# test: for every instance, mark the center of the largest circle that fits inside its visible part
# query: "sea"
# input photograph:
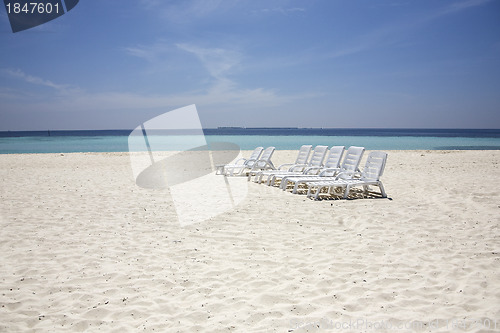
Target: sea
(28, 142)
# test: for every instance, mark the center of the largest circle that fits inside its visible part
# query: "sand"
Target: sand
(82, 248)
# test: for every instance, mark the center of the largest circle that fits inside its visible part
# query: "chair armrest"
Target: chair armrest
(314, 170)
(294, 167)
(245, 161)
(327, 170)
(257, 165)
(285, 165)
(348, 174)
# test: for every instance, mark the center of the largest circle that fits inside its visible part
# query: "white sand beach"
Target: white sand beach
(82, 248)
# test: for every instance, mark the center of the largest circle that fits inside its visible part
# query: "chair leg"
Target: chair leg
(258, 177)
(250, 177)
(295, 187)
(382, 190)
(261, 178)
(237, 171)
(346, 192)
(365, 190)
(309, 191)
(284, 183)
(331, 190)
(318, 190)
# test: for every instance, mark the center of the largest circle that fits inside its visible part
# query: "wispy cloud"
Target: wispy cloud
(462, 5)
(187, 10)
(222, 93)
(148, 4)
(352, 49)
(376, 38)
(151, 53)
(19, 74)
(220, 63)
(390, 4)
(456, 7)
(200, 7)
(280, 10)
(217, 61)
(394, 33)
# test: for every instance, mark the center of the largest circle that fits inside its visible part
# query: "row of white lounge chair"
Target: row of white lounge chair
(319, 171)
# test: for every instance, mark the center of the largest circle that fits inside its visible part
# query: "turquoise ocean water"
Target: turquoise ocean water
(246, 139)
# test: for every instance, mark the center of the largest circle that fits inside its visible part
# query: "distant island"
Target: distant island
(255, 128)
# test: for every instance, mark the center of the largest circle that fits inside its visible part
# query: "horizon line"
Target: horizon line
(264, 128)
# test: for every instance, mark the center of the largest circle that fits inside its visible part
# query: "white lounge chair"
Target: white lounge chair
(330, 167)
(332, 160)
(300, 161)
(224, 169)
(315, 164)
(264, 162)
(373, 170)
(349, 166)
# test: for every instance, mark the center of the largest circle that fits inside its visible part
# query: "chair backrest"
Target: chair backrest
(256, 153)
(351, 161)
(375, 165)
(266, 157)
(334, 157)
(254, 157)
(318, 156)
(303, 155)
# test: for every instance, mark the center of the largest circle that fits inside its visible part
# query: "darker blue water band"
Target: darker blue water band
(461, 133)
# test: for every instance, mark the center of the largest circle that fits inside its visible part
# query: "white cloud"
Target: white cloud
(19, 74)
(151, 53)
(458, 6)
(223, 93)
(148, 4)
(220, 63)
(219, 92)
(202, 7)
(186, 10)
(284, 11)
(217, 61)
(455, 8)
(394, 33)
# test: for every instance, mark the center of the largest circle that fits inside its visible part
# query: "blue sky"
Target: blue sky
(363, 63)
